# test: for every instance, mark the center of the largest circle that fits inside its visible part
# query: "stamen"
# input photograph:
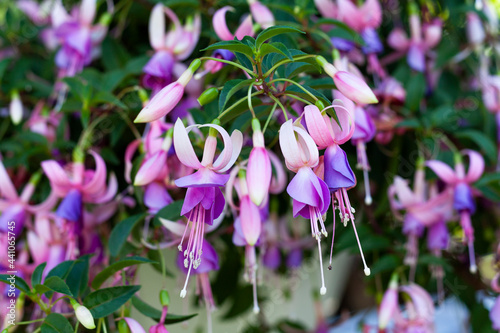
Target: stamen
(366, 269)
(256, 308)
(472, 257)
(333, 238)
(368, 196)
(322, 290)
(184, 291)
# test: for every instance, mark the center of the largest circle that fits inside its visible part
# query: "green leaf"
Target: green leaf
(104, 302)
(482, 141)
(107, 97)
(78, 276)
(36, 277)
(415, 89)
(488, 178)
(116, 267)
(274, 31)
(233, 46)
(340, 24)
(230, 88)
(56, 323)
(55, 283)
(387, 263)
(41, 289)
(276, 47)
(121, 231)
(62, 270)
(19, 283)
(155, 314)
(170, 212)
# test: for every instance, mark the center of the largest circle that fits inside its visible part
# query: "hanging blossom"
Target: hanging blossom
(419, 314)
(223, 32)
(338, 175)
(422, 209)
(76, 186)
(204, 200)
(422, 40)
(463, 201)
(15, 207)
(78, 36)
(170, 48)
(310, 194)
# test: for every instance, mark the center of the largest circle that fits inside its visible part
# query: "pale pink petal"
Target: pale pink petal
(44, 206)
(327, 8)
(59, 15)
(317, 127)
(7, 189)
(237, 141)
(404, 193)
(350, 14)
(278, 183)
(227, 152)
(349, 104)
(176, 228)
(183, 148)
(443, 171)
(98, 181)
(245, 28)
(157, 27)
(372, 14)
(134, 325)
(173, 36)
(476, 166)
(151, 169)
(87, 12)
(289, 147)
(345, 117)
(398, 39)
(38, 248)
(129, 152)
(110, 192)
(251, 224)
(189, 39)
(57, 176)
(219, 23)
(261, 14)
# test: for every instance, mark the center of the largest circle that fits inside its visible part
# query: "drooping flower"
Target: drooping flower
(171, 47)
(338, 175)
(204, 201)
(463, 201)
(310, 194)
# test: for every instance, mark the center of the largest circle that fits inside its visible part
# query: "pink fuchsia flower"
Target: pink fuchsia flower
(338, 174)
(261, 14)
(16, 207)
(204, 201)
(475, 30)
(222, 31)
(310, 194)
(463, 201)
(167, 98)
(350, 85)
(171, 47)
(44, 122)
(419, 316)
(421, 41)
(259, 171)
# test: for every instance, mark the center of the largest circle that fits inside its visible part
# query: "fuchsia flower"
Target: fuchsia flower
(166, 99)
(419, 314)
(259, 171)
(421, 41)
(222, 31)
(171, 47)
(463, 201)
(338, 174)
(204, 201)
(310, 194)
(44, 122)
(261, 14)
(16, 207)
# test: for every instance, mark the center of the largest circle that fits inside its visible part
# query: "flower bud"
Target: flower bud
(208, 96)
(250, 220)
(83, 315)
(259, 171)
(16, 108)
(164, 298)
(123, 327)
(354, 88)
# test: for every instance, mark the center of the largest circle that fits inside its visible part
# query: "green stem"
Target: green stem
(237, 103)
(299, 98)
(269, 118)
(249, 98)
(230, 63)
(99, 323)
(88, 131)
(286, 61)
(76, 326)
(298, 85)
(281, 105)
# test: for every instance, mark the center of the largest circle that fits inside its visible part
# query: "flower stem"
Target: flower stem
(230, 63)
(269, 117)
(298, 85)
(281, 105)
(286, 61)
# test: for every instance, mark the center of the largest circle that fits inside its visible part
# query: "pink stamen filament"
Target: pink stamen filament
(322, 290)
(252, 274)
(363, 165)
(333, 234)
(469, 237)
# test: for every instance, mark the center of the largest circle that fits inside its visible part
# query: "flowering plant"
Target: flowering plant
(187, 165)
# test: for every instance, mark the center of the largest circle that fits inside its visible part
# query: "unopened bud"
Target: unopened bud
(83, 315)
(208, 96)
(164, 298)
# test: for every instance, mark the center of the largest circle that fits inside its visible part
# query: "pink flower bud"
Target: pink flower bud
(161, 104)
(475, 30)
(250, 220)
(354, 88)
(389, 304)
(16, 108)
(259, 174)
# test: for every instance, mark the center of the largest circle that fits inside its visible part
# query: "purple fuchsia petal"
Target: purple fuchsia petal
(272, 257)
(338, 173)
(495, 314)
(462, 198)
(202, 178)
(372, 41)
(209, 260)
(416, 57)
(305, 189)
(238, 238)
(71, 206)
(15, 213)
(438, 236)
(156, 197)
(365, 126)
(294, 258)
(412, 226)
